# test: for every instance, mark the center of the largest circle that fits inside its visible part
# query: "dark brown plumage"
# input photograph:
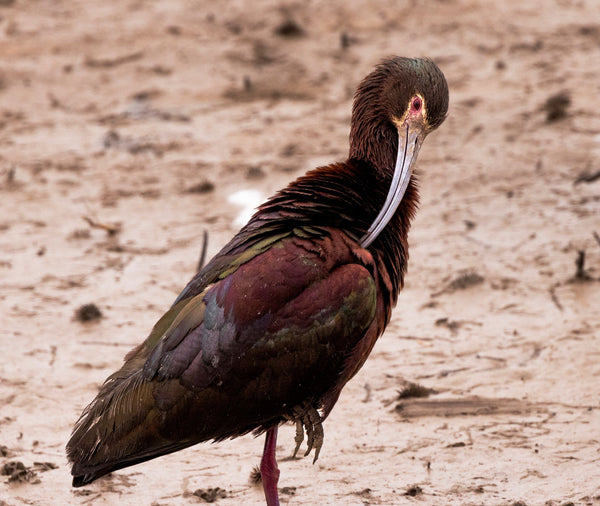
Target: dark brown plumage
(273, 327)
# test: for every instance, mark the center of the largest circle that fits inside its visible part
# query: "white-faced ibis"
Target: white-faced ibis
(274, 326)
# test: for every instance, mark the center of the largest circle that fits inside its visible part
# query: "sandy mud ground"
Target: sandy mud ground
(126, 126)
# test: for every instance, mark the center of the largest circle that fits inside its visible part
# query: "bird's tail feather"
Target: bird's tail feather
(120, 428)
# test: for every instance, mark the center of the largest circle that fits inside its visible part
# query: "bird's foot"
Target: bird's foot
(309, 420)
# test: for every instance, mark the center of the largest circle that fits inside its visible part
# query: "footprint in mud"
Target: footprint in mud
(210, 494)
(18, 472)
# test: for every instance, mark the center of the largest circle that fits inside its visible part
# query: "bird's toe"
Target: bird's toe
(299, 436)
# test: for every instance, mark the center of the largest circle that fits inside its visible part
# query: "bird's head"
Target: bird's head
(395, 107)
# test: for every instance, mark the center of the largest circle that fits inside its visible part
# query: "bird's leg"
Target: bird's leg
(269, 471)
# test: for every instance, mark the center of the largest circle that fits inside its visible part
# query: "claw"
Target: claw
(299, 436)
(310, 434)
(317, 434)
(320, 436)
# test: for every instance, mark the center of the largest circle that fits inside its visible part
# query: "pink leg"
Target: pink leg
(268, 468)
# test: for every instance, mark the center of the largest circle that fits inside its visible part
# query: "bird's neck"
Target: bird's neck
(347, 196)
(375, 142)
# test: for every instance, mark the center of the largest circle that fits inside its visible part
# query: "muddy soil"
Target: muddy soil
(127, 129)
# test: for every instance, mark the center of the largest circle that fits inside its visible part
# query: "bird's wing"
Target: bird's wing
(241, 249)
(271, 334)
(249, 242)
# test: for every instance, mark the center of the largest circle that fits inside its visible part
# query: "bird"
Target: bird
(271, 329)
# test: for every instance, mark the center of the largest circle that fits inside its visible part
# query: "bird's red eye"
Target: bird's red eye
(416, 104)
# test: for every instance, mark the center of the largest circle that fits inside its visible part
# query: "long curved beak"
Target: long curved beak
(409, 143)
